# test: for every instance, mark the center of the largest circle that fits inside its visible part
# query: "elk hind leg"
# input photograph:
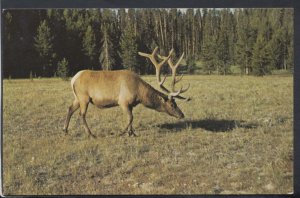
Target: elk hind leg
(83, 110)
(71, 110)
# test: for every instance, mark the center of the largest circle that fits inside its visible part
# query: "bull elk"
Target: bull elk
(107, 89)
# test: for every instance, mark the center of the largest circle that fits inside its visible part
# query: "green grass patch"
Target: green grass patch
(237, 138)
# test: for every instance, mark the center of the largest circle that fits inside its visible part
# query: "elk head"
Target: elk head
(168, 104)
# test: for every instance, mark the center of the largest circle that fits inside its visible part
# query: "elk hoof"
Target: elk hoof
(65, 130)
(131, 133)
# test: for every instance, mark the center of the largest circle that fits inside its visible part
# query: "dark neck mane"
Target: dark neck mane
(151, 97)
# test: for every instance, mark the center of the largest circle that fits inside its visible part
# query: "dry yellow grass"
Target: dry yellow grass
(237, 138)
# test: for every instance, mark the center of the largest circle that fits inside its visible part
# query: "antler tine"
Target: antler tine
(180, 59)
(154, 51)
(179, 79)
(170, 61)
(174, 94)
(151, 56)
(175, 80)
(162, 86)
(184, 90)
(162, 82)
(174, 68)
(158, 66)
(165, 58)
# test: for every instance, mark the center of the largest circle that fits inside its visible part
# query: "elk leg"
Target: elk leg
(129, 128)
(83, 110)
(71, 110)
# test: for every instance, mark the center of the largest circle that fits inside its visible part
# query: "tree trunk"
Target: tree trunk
(106, 52)
(284, 63)
(165, 31)
(193, 38)
(247, 69)
(156, 27)
(172, 36)
(161, 31)
(186, 46)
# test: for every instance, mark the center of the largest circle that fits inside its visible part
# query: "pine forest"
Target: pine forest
(60, 42)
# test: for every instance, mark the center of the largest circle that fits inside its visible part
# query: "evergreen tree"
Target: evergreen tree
(290, 60)
(128, 46)
(62, 69)
(191, 65)
(106, 54)
(223, 53)
(276, 48)
(289, 26)
(44, 46)
(122, 18)
(209, 47)
(261, 61)
(209, 56)
(198, 33)
(245, 40)
(218, 37)
(89, 44)
(110, 32)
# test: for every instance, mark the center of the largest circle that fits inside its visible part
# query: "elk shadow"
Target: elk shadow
(211, 125)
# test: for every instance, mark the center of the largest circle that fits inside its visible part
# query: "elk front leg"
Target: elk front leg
(83, 110)
(129, 128)
(71, 110)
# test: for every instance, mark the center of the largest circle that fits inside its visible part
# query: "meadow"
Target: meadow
(237, 138)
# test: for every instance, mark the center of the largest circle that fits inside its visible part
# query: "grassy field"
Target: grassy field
(237, 138)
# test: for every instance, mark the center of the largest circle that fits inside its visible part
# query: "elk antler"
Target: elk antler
(158, 66)
(174, 80)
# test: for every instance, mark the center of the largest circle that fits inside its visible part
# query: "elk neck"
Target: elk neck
(151, 97)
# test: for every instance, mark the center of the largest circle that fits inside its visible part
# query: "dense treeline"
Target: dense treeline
(54, 41)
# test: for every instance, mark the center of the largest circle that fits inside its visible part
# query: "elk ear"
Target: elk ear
(163, 99)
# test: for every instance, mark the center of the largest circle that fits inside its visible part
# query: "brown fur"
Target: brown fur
(121, 88)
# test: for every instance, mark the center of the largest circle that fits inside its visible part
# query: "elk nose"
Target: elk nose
(181, 116)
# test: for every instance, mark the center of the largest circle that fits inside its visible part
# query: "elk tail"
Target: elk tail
(73, 82)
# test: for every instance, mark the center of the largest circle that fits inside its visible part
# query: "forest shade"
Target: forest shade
(42, 42)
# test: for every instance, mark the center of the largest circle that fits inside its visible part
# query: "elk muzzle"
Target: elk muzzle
(177, 113)
(180, 115)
